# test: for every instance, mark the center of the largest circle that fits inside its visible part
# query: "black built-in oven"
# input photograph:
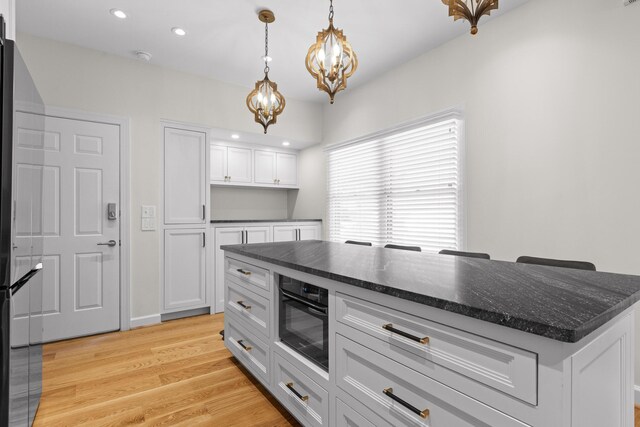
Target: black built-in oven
(304, 319)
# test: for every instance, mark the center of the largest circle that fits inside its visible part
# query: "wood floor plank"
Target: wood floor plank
(173, 374)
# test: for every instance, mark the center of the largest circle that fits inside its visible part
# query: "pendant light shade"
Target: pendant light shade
(331, 60)
(264, 101)
(470, 10)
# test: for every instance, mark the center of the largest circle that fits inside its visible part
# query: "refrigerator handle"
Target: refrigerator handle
(25, 279)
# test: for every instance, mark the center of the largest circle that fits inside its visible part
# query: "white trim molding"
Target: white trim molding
(636, 394)
(137, 322)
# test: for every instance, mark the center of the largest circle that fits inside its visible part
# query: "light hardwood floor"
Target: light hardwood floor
(176, 373)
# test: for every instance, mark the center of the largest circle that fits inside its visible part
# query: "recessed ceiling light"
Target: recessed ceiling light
(118, 13)
(235, 136)
(178, 31)
(286, 143)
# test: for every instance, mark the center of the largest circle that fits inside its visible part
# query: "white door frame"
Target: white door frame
(125, 195)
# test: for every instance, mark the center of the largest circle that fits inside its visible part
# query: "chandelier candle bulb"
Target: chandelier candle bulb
(264, 101)
(331, 76)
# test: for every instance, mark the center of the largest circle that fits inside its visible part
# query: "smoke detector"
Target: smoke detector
(143, 56)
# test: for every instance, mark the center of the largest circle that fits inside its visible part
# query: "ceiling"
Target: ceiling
(225, 40)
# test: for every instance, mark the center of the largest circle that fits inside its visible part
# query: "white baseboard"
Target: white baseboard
(136, 322)
(636, 394)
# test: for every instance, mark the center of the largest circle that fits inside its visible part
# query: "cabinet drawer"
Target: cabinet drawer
(251, 307)
(251, 351)
(402, 396)
(248, 274)
(347, 417)
(302, 396)
(472, 358)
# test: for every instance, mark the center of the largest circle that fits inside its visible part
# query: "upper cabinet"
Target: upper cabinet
(232, 165)
(184, 176)
(274, 168)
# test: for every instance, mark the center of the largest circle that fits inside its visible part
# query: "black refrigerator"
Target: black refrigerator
(21, 242)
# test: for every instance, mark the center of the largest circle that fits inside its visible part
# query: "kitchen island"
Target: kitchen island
(433, 340)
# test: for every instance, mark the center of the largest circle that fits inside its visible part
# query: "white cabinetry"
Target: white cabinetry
(231, 164)
(248, 233)
(393, 362)
(185, 214)
(184, 269)
(233, 236)
(274, 168)
(288, 233)
(184, 176)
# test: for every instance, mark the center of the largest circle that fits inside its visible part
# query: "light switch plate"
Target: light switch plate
(148, 214)
(148, 211)
(148, 224)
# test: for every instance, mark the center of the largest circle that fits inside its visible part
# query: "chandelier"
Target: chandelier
(264, 101)
(471, 10)
(331, 60)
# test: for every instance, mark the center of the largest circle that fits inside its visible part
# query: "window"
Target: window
(401, 187)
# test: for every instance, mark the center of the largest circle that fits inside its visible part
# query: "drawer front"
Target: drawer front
(402, 396)
(508, 369)
(250, 350)
(347, 417)
(302, 396)
(248, 274)
(251, 307)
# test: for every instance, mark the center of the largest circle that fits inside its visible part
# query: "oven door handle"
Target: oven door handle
(304, 302)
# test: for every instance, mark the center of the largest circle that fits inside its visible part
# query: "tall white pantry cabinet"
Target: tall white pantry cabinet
(185, 216)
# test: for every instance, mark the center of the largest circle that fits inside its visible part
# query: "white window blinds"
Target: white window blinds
(402, 187)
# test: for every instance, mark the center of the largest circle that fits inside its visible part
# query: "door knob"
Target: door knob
(109, 243)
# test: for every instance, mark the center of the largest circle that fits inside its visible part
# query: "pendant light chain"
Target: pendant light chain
(331, 11)
(266, 48)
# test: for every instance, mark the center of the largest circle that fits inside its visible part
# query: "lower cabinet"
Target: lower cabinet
(252, 351)
(288, 233)
(233, 236)
(184, 269)
(302, 396)
(402, 396)
(248, 234)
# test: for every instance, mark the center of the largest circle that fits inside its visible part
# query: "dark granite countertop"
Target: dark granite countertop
(236, 221)
(561, 304)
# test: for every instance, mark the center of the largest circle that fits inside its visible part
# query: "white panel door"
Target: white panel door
(239, 164)
(184, 269)
(264, 167)
(257, 234)
(80, 177)
(309, 232)
(285, 233)
(287, 169)
(185, 179)
(224, 236)
(218, 156)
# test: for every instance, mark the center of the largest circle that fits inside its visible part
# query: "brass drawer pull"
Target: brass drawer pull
(243, 305)
(246, 273)
(294, 391)
(389, 327)
(389, 392)
(245, 347)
